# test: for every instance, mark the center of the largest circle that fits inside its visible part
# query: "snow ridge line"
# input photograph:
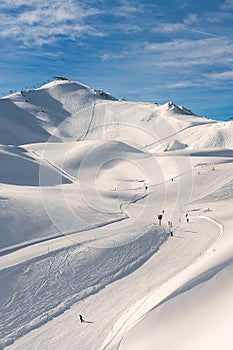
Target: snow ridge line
(55, 166)
(174, 134)
(136, 198)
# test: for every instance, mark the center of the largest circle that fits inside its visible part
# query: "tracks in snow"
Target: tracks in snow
(137, 311)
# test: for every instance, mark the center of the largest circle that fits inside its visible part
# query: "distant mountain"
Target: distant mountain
(65, 110)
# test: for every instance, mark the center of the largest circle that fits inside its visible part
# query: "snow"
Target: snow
(217, 135)
(83, 179)
(199, 308)
(175, 145)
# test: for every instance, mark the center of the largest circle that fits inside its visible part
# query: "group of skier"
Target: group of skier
(169, 223)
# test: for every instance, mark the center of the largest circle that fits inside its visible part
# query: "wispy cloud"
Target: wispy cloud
(128, 9)
(112, 56)
(39, 23)
(192, 23)
(228, 75)
(182, 85)
(227, 5)
(191, 52)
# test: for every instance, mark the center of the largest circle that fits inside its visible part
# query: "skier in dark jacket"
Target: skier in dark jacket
(81, 318)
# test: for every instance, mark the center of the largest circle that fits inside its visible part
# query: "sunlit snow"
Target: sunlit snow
(83, 178)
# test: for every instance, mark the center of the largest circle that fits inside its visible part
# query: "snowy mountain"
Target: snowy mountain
(83, 179)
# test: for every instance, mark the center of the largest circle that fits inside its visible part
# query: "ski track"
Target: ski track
(83, 137)
(55, 166)
(171, 135)
(125, 323)
(51, 295)
(10, 250)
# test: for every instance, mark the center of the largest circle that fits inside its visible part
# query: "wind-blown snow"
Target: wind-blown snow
(83, 179)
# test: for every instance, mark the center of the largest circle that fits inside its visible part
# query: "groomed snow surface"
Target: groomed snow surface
(83, 179)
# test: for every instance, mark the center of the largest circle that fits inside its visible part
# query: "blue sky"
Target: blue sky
(179, 50)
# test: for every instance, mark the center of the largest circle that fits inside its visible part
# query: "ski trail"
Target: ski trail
(55, 166)
(214, 221)
(136, 198)
(83, 137)
(137, 311)
(172, 135)
(48, 239)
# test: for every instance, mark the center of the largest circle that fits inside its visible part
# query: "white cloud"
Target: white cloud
(182, 85)
(192, 23)
(177, 26)
(169, 27)
(187, 53)
(228, 75)
(128, 9)
(191, 19)
(39, 22)
(113, 56)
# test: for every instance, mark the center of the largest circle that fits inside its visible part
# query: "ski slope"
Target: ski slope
(84, 177)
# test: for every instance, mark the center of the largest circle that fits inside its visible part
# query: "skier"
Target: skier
(81, 318)
(187, 219)
(160, 216)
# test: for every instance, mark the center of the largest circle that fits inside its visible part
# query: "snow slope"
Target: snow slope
(83, 179)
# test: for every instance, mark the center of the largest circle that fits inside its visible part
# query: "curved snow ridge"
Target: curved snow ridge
(83, 155)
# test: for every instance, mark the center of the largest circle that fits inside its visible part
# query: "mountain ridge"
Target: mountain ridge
(65, 110)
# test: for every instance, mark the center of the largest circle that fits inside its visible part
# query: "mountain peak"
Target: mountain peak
(171, 106)
(75, 85)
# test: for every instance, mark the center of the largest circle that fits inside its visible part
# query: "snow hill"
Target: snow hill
(83, 179)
